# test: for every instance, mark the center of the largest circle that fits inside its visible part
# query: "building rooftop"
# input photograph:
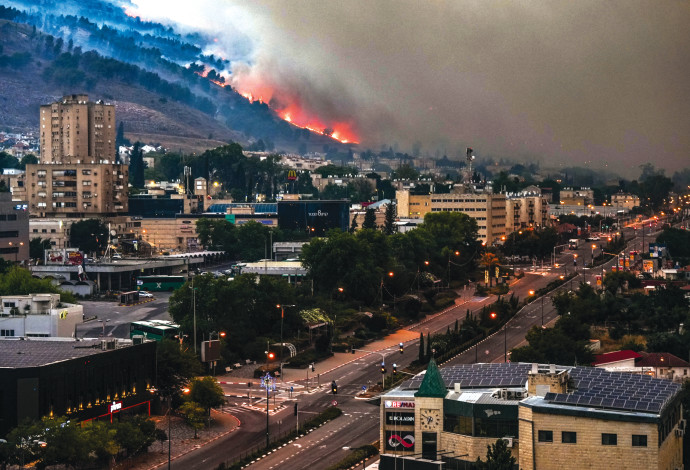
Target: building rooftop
(588, 387)
(15, 354)
(615, 356)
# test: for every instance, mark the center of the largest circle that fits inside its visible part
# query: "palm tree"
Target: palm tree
(489, 261)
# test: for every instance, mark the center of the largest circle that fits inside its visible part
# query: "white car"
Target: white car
(145, 294)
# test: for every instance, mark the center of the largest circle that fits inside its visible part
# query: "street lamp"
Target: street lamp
(282, 316)
(194, 310)
(456, 253)
(103, 322)
(269, 383)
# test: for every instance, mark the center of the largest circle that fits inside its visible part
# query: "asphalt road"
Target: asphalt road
(112, 319)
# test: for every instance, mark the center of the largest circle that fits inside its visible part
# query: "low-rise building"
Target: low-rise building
(38, 316)
(80, 379)
(624, 201)
(551, 417)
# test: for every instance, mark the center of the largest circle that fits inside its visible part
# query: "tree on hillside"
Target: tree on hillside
(176, 366)
(354, 224)
(28, 159)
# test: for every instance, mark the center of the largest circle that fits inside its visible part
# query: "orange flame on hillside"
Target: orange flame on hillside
(298, 117)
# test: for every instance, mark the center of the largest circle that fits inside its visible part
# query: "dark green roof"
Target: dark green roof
(432, 385)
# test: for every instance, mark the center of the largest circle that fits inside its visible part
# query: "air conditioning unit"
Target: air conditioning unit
(509, 441)
(520, 395)
(137, 339)
(504, 393)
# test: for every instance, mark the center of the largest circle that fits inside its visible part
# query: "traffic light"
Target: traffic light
(271, 355)
(395, 368)
(295, 409)
(383, 368)
(312, 367)
(334, 387)
(401, 347)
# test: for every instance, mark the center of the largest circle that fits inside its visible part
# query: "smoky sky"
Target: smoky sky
(604, 83)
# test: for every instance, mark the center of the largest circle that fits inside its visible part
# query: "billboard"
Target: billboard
(648, 265)
(400, 419)
(210, 351)
(55, 257)
(314, 217)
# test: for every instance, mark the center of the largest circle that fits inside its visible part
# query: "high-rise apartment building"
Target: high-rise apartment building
(76, 130)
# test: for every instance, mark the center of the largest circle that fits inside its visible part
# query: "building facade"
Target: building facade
(76, 130)
(77, 190)
(38, 316)
(79, 379)
(14, 229)
(551, 417)
(488, 209)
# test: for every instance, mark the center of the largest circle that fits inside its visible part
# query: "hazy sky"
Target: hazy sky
(567, 82)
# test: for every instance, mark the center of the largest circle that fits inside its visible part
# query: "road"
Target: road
(112, 319)
(360, 423)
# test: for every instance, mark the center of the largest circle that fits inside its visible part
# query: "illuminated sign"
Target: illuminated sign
(116, 406)
(318, 214)
(400, 419)
(292, 175)
(398, 404)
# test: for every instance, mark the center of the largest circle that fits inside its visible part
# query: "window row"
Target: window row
(607, 439)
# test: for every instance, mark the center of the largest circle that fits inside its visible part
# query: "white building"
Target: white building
(38, 315)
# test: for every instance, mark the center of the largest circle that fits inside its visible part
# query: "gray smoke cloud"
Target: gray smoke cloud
(603, 83)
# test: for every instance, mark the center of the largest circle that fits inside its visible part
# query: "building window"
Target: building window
(545, 436)
(6, 332)
(569, 437)
(639, 440)
(609, 439)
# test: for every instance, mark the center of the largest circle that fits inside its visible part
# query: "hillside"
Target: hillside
(191, 116)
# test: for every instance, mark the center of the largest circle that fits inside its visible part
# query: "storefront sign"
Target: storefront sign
(398, 404)
(117, 406)
(400, 419)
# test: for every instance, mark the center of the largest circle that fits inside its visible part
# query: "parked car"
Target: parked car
(145, 294)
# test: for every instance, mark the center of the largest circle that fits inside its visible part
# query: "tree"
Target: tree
(176, 366)
(90, 236)
(369, 219)
(389, 224)
(19, 281)
(136, 167)
(421, 348)
(207, 393)
(194, 414)
(37, 246)
(29, 159)
(489, 261)
(354, 224)
(406, 172)
(498, 457)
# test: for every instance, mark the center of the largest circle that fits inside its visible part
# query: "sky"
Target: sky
(604, 84)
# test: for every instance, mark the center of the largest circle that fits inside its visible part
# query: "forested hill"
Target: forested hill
(157, 100)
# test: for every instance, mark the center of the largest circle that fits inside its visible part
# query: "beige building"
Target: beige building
(551, 417)
(489, 210)
(624, 201)
(525, 209)
(76, 130)
(76, 189)
(577, 197)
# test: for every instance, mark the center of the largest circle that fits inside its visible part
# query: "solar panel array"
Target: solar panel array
(479, 376)
(599, 388)
(592, 387)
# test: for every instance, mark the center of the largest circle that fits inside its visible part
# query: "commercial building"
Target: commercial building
(14, 229)
(76, 130)
(38, 316)
(79, 379)
(624, 201)
(577, 196)
(488, 209)
(551, 417)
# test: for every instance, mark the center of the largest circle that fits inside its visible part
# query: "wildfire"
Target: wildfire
(299, 117)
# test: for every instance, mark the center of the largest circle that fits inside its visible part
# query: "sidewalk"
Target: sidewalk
(183, 440)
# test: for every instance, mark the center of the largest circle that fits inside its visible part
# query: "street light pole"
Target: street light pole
(194, 310)
(505, 342)
(169, 437)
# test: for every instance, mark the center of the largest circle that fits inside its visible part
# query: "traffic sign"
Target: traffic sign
(334, 403)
